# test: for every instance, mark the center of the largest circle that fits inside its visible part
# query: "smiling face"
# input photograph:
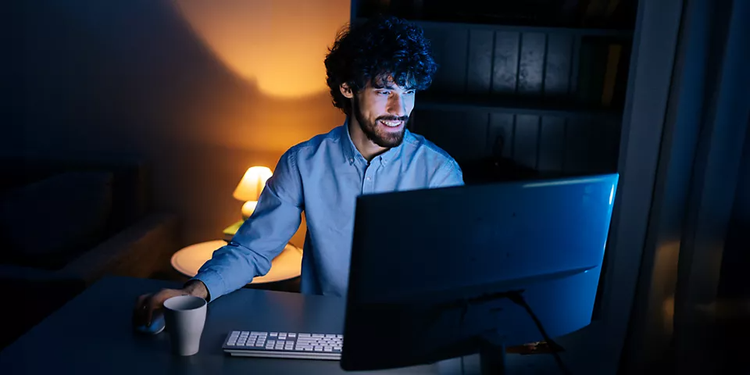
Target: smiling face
(382, 110)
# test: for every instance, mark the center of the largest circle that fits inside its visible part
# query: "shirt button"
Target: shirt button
(351, 160)
(368, 178)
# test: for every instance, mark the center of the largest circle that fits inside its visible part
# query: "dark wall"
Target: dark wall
(101, 79)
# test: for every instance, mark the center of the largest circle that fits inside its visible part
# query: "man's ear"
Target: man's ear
(346, 91)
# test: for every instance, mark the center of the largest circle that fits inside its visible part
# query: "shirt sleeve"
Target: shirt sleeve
(449, 174)
(262, 236)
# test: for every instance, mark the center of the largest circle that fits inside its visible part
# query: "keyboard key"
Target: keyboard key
(312, 345)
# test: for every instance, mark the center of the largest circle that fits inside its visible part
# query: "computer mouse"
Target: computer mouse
(157, 325)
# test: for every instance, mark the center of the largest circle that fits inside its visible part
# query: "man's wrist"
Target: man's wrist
(196, 288)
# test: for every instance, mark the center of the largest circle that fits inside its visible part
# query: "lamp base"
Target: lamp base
(248, 208)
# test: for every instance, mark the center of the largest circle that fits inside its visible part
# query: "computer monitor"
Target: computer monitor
(442, 273)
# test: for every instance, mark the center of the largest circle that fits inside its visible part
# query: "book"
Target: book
(610, 74)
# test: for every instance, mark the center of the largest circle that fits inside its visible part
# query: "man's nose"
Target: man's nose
(396, 105)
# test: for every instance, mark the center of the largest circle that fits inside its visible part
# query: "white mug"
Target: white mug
(185, 317)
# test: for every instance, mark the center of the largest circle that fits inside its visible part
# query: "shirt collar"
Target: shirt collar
(347, 145)
(351, 153)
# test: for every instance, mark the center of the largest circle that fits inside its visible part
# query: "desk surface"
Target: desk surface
(93, 334)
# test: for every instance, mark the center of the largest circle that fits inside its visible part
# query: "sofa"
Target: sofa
(65, 223)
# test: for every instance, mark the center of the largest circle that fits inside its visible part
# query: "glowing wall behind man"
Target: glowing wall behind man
(201, 90)
(277, 43)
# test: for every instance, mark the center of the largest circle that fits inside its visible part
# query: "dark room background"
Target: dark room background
(199, 90)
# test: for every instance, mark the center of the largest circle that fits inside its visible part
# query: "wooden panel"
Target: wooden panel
(525, 140)
(531, 63)
(462, 135)
(575, 50)
(472, 136)
(551, 144)
(479, 65)
(438, 46)
(452, 70)
(505, 66)
(557, 70)
(501, 126)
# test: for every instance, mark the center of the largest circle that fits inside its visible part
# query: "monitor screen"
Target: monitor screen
(431, 270)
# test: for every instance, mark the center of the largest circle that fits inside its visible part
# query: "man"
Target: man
(374, 71)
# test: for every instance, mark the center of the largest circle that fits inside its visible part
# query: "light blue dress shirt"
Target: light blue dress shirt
(322, 177)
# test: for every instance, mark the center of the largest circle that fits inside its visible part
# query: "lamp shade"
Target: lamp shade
(252, 184)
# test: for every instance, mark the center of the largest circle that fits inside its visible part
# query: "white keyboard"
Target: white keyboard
(284, 345)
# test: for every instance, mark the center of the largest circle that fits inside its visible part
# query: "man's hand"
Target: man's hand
(148, 305)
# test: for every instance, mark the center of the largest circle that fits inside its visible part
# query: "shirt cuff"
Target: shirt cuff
(214, 283)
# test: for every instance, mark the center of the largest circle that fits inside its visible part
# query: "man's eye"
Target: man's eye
(384, 92)
(410, 92)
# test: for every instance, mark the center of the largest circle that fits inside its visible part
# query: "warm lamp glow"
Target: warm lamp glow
(279, 44)
(248, 208)
(252, 183)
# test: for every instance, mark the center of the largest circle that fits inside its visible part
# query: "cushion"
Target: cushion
(47, 223)
(130, 180)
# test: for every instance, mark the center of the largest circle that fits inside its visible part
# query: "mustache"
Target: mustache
(393, 118)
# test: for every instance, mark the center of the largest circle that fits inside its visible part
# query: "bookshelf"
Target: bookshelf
(573, 31)
(513, 105)
(520, 89)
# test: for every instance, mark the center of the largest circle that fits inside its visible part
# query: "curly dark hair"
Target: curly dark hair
(379, 48)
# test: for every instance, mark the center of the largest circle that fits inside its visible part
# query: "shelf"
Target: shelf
(623, 34)
(528, 29)
(522, 106)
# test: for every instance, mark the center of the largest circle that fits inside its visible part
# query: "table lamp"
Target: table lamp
(250, 187)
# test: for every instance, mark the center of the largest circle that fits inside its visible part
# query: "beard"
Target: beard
(375, 133)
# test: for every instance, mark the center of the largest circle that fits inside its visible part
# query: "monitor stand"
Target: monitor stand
(492, 354)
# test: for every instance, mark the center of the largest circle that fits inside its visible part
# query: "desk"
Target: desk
(93, 334)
